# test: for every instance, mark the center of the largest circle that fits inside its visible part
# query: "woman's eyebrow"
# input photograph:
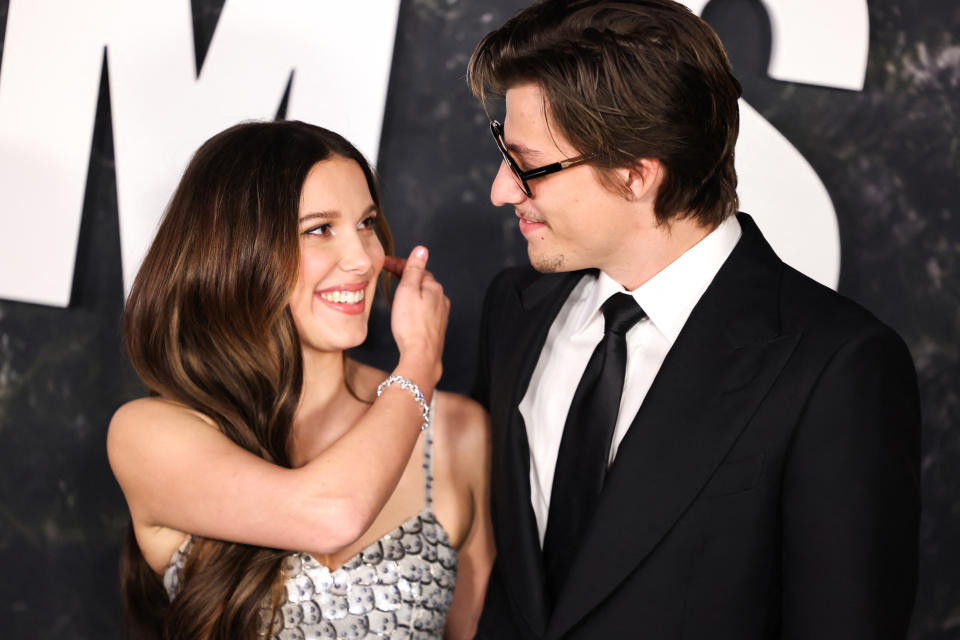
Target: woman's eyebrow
(332, 215)
(327, 215)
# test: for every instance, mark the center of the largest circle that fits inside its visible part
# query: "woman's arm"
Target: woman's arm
(178, 471)
(475, 557)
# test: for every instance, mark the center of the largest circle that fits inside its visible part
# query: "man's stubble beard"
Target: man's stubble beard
(548, 263)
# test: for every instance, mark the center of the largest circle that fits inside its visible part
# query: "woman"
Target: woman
(262, 437)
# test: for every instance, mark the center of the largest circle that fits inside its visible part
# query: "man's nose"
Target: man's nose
(505, 189)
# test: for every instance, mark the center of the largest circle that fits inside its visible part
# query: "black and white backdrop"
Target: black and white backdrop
(861, 119)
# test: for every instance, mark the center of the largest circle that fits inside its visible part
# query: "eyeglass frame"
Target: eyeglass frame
(496, 128)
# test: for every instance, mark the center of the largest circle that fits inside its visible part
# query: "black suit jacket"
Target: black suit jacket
(767, 488)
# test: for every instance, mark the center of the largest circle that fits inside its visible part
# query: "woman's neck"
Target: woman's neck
(323, 378)
(326, 410)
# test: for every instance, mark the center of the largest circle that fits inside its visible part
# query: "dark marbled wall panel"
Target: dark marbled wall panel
(888, 155)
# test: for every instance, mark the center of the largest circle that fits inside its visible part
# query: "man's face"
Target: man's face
(572, 221)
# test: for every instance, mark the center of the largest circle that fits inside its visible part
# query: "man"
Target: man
(691, 439)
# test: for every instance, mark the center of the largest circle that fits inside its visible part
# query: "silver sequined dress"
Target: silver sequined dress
(401, 586)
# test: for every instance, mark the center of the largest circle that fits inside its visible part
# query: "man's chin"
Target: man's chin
(553, 263)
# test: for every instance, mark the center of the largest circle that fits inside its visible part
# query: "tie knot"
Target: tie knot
(620, 312)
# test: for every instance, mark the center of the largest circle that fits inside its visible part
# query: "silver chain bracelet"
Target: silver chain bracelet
(409, 385)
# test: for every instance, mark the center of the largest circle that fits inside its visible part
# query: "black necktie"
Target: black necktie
(585, 445)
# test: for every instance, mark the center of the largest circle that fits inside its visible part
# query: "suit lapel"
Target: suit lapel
(518, 542)
(715, 376)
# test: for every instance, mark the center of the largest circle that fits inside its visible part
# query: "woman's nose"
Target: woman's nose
(355, 254)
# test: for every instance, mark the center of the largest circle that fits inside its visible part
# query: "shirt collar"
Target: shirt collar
(669, 297)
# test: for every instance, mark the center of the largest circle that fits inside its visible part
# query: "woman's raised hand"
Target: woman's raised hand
(419, 317)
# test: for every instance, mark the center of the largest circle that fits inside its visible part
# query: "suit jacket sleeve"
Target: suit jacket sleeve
(851, 497)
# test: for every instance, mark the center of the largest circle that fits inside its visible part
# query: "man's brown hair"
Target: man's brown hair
(627, 80)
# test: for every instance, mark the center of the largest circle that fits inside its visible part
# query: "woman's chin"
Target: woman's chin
(333, 344)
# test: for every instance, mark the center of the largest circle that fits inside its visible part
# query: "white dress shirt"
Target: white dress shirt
(667, 298)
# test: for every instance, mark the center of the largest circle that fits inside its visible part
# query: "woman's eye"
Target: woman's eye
(368, 223)
(320, 230)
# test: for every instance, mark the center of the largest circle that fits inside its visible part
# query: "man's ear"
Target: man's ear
(643, 179)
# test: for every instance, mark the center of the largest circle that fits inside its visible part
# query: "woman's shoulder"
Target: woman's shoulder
(148, 422)
(463, 423)
(153, 409)
(461, 413)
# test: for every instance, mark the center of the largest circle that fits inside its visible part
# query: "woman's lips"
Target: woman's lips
(346, 298)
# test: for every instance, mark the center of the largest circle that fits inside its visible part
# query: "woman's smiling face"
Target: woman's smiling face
(340, 257)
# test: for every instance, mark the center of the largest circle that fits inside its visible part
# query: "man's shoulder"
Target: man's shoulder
(823, 314)
(803, 304)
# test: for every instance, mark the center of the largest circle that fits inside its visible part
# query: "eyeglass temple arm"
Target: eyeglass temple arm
(552, 168)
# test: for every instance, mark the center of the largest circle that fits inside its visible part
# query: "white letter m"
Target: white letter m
(339, 53)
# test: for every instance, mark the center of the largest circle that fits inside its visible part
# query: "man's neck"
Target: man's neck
(653, 250)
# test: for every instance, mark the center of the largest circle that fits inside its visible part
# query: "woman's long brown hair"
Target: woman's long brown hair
(207, 324)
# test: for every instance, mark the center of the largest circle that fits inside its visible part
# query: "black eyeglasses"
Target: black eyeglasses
(523, 176)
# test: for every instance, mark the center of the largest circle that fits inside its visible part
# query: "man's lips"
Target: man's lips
(529, 225)
(347, 298)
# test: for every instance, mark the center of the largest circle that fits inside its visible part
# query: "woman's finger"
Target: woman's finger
(414, 268)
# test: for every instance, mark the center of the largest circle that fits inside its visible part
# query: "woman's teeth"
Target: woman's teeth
(343, 297)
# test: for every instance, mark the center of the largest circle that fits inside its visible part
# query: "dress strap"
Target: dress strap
(428, 459)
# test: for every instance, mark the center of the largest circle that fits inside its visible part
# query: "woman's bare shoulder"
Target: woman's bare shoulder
(460, 409)
(148, 423)
(464, 423)
(153, 410)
